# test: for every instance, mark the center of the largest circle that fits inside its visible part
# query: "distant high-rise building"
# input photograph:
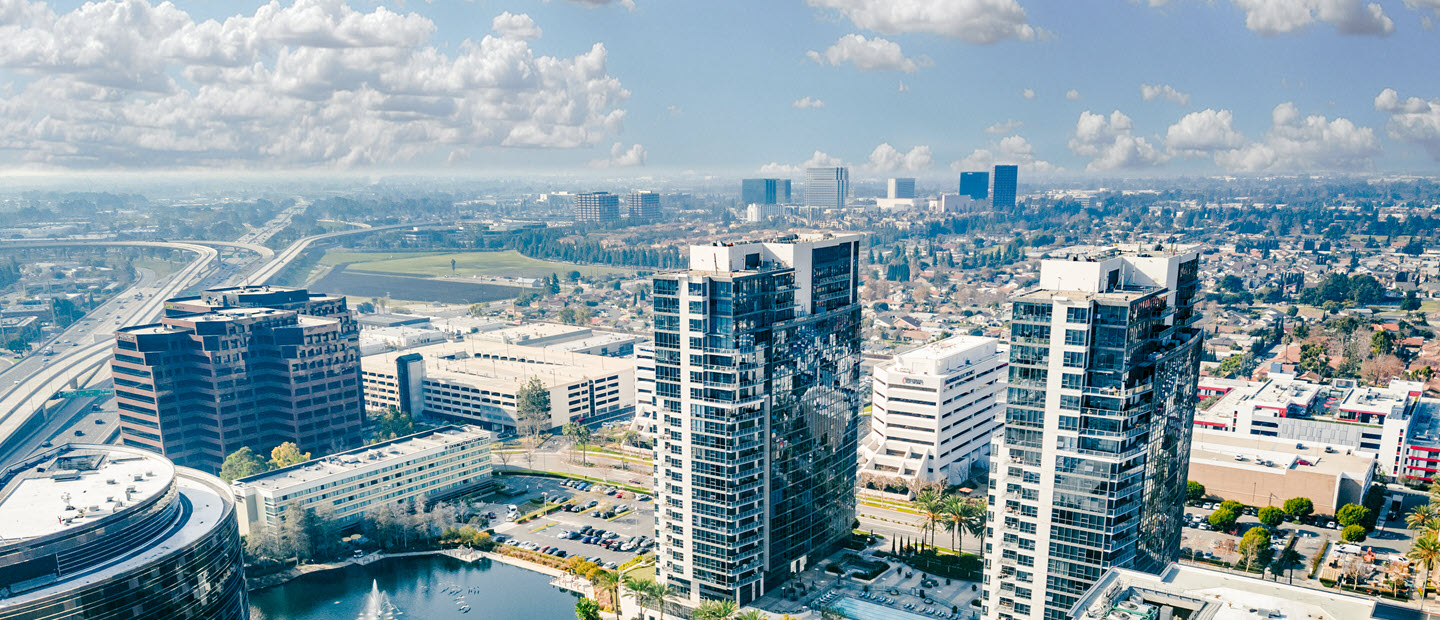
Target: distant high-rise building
(240, 367)
(597, 207)
(644, 205)
(757, 376)
(1005, 184)
(975, 185)
(764, 191)
(827, 188)
(900, 188)
(1089, 473)
(94, 531)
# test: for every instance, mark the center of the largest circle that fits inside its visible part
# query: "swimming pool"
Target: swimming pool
(865, 610)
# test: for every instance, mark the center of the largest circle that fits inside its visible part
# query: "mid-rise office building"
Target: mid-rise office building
(764, 191)
(424, 467)
(975, 185)
(1089, 473)
(240, 367)
(91, 531)
(934, 411)
(1006, 184)
(760, 213)
(900, 189)
(757, 373)
(827, 188)
(644, 205)
(597, 207)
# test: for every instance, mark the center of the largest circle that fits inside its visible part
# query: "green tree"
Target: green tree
(1410, 303)
(1382, 343)
(1424, 518)
(1223, 519)
(1353, 533)
(241, 463)
(1299, 507)
(532, 407)
(1285, 561)
(1255, 547)
(587, 609)
(752, 614)
(574, 276)
(287, 454)
(1233, 506)
(580, 433)
(1230, 366)
(393, 423)
(962, 515)
(715, 610)
(1352, 514)
(1271, 516)
(17, 346)
(1425, 551)
(608, 582)
(929, 503)
(1194, 491)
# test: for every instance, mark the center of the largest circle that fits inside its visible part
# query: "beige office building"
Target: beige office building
(1261, 471)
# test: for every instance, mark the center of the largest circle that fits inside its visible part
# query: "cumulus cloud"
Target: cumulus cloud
(903, 87)
(1310, 143)
(520, 26)
(886, 158)
(1072, 94)
(1151, 92)
(972, 21)
(1110, 145)
(1203, 133)
(1420, 5)
(1274, 17)
(315, 82)
(807, 102)
(1412, 120)
(819, 159)
(1028, 93)
(875, 54)
(621, 157)
(1014, 150)
(1000, 129)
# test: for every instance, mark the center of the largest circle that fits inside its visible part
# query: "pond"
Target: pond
(420, 587)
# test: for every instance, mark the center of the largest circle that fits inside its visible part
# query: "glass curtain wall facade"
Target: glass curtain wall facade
(757, 378)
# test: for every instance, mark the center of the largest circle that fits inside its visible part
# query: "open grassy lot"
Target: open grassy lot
(426, 264)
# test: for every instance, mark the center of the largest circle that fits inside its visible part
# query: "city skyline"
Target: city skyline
(329, 86)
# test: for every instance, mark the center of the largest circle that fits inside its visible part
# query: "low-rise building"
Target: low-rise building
(381, 339)
(1262, 471)
(606, 344)
(1205, 594)
(427, 466)
(534, 334)
(934, 410)
(475, 382)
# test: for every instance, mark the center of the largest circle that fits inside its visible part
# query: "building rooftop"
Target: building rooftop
(597, 340)
(1272, 455)
(1204, 594)
(1389, 400)
(500, 364)
(391, 320)
(948, 355)
(534, 333)
(76, 486)
(359, 458)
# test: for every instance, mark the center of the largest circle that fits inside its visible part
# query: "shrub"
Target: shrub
(1351, 514)
(1271, 516)
(1223, 519)
(1299, 507)
(1353, 533)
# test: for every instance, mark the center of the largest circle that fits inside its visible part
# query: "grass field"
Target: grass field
(506, 264)
(161, 267)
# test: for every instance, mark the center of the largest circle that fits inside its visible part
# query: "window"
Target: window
(1072, 381)
(1075, 337)
(1068, 402)
(1077, 315)
(1074, 359)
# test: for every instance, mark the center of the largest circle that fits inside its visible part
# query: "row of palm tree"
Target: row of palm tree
(1425, 551)
(653, 595)
(955, 514)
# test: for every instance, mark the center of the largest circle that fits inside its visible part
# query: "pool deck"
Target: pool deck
(904, 580)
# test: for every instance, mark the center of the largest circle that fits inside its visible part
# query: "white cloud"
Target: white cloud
(1311, 143)
(807, 102)
(903, 87)
(819, 159)
(1003, 128)
(875, 54)
(1151, 92)
(1009, 150)
(972, 21)
(1273, 17)
(1028, 93)
(595, 4)
(1203, 133)
(315, 82)
(886, 158)
(1072, 94)
(520, 26)
(1110, 145)
(621, 157)
(1418, 5)
(1412, 120)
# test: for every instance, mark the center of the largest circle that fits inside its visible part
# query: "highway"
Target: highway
(264, 274)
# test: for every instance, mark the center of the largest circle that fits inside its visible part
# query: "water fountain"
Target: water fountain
(378, 605)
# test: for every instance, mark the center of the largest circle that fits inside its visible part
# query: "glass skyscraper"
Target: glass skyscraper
(764, 191)
(827, 188)
(975, 185)
(757, 381)
(1006, 178)
(1089, 473)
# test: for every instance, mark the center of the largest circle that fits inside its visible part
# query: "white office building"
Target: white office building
(934, 410)
(435, 464)
(647, 419)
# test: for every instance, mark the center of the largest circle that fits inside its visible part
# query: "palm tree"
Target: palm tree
(644, 590)
(752, 615)
(1426, 552)
(609, 582)
(715, 610)
(951, 510)
(587, 609)
(929, 503)
(974, 520)
(1425, 517)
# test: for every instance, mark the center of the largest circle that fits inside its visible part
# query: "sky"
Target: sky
(646, 88)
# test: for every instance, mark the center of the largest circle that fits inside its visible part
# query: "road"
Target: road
(86, 345)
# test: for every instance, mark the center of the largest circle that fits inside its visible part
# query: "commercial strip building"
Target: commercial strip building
(757, 375)
(934, 411)
(90, 531)
(1261, 471)
(427, 466)
(240, 367)
(475, 381)
(1089, 473)
(1206, 594)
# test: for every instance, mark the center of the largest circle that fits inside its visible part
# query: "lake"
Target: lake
(421, 587)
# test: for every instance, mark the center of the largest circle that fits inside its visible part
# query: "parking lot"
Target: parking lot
(637, 520)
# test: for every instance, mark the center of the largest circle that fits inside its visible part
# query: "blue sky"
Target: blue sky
(1240, 86)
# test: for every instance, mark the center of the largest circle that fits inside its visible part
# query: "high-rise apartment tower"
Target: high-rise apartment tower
(1089, 473)
(757, 376)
